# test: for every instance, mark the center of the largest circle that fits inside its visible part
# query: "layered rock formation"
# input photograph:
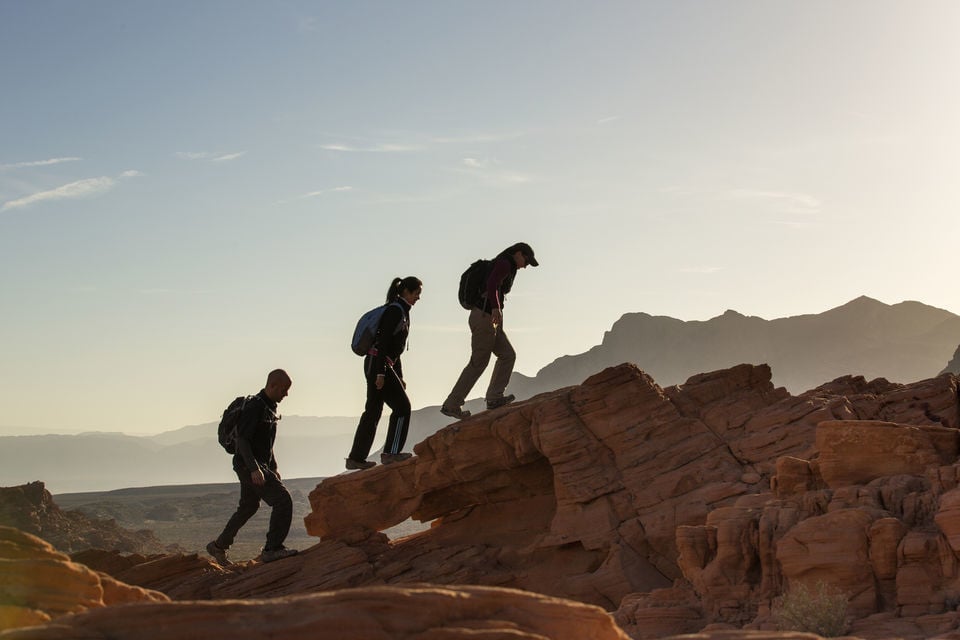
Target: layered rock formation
(30, 508)
(370, 613)
(678, 510)
(38, 583)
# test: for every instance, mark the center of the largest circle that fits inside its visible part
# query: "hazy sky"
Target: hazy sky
(193, 193)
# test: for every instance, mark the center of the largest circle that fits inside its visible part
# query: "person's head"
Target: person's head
(408, 288)
(522, 255)
(278, 384)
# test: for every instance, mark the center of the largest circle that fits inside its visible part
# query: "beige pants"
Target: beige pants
(485, 340)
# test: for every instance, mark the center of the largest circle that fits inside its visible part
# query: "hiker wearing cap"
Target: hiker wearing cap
(488, 336)
(384, 375)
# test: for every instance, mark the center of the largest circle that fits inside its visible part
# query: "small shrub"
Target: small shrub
(819, 610)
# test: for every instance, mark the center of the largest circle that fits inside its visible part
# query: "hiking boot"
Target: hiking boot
(388, 458)
(360, 464)
(500, 402)
(457, 413)
(269, 555)
(218, 554)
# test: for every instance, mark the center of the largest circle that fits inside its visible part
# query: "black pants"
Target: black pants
(395, 397)
(274, 494)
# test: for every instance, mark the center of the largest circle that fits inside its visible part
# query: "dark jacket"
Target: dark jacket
(256, 433)
(391, 338)
(499, 282)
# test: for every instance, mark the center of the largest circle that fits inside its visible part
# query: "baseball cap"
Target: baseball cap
(527, 252)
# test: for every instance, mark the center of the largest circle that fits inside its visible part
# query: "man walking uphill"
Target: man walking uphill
(487, 336)
(256, 467)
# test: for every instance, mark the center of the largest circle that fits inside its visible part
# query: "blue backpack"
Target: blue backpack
(366, 332)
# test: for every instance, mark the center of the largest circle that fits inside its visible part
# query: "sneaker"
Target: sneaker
(500, 402)
(218, 554)
(457, 413)
(388, 458)
(269, 555)
(360, 464)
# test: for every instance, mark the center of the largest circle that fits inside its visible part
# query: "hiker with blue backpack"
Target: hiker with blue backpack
(381, 336)
(248, 430)
(483, 289)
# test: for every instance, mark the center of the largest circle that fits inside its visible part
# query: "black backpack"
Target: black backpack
(473, 283)
(227, 430)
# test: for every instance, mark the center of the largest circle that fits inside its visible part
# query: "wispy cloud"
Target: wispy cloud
(786, 201)
(309, 24)
(378, 148)
(608, 119)
(700, 270)
(476, 138)
(39, 163)
(317, 193)
(72, 190)
(485, 170)
(210, 156)
(78, 189)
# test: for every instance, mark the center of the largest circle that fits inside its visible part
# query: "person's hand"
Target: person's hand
(380, 380)
(497, 316)
(256, 477)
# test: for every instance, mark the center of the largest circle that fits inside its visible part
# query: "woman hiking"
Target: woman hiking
(384, 376)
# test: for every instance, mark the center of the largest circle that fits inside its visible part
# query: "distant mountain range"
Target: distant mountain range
(903, 342)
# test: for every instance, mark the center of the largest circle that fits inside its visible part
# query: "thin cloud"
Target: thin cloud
(309, 24)
(380, 148)
(701, 270)
(793, 202)
(39, 163)
(132, 173)
(608, 119)
(78, 189)
(317, 193)
(485, 171)
(476, 138)
(210, 156)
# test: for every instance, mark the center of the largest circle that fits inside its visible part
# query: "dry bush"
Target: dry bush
(821, 610)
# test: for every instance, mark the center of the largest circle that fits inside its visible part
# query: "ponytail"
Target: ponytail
(399, 285)
(394, 291)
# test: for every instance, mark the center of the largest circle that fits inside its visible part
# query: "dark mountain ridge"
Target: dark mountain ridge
(903, 342)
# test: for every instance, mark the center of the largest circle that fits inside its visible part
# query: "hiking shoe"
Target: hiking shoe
(457, 413)
(500, 402)
(218, 554)
(388, 458)
(269, 555)
(360, 464)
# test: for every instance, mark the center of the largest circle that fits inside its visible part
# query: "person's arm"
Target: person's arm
(499, 272)
(249, 420)
(386, 341)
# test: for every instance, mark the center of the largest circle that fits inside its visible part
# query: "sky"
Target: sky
(195, 193)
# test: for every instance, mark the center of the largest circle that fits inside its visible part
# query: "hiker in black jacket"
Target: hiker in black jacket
(487, 336)
(256, 467)
(384, 376)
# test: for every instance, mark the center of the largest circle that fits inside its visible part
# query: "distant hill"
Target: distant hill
(306, 447)
(903, 342)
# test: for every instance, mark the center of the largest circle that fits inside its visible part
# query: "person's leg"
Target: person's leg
(502, 368)
(396, 398)
(249, 504)
(367, 427)
(276, 495)
(482, 339)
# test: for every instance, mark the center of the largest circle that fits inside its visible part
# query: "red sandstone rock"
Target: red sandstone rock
(371, 613)
(682, 509)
